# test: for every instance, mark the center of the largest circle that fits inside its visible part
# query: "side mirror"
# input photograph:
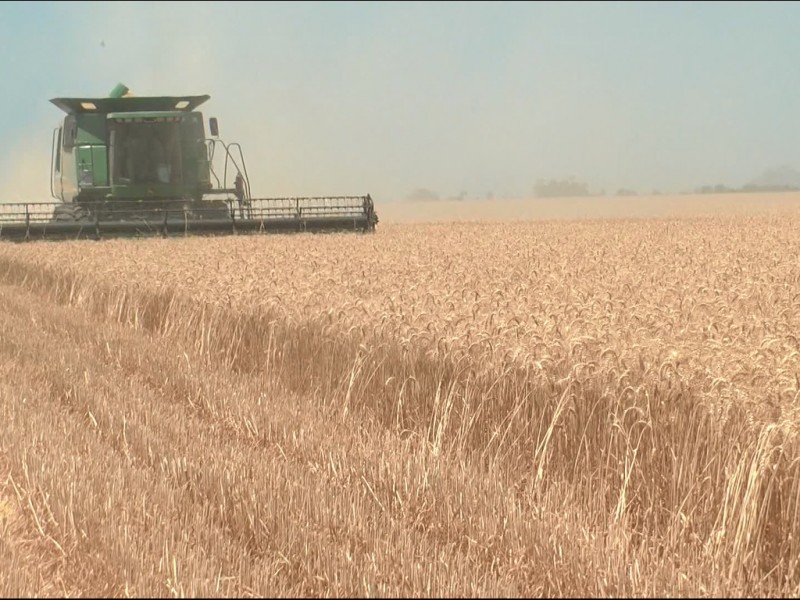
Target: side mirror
(212, 125)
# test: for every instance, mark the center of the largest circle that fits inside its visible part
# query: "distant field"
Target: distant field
(480, 404)
(689, 205)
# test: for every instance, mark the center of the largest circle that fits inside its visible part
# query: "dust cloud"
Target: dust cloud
(25, 171)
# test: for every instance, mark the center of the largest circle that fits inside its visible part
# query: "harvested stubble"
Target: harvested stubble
(624, 394)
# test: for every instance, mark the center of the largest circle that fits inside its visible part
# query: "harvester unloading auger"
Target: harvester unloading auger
(133, 165)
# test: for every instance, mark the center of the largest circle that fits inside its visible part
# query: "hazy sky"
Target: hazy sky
(386, 97)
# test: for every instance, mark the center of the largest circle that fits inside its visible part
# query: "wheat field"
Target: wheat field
(604, 406)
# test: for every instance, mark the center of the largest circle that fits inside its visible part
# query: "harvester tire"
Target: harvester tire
(216, 209)
(70, 213)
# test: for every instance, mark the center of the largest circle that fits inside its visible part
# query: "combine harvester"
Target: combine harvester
(136, 166)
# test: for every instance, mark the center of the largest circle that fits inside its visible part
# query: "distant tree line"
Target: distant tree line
(423, 195)
(749, 188)
(571, 187)
(560, 188)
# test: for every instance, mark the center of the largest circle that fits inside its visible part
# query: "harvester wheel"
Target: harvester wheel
(215, 209)
(71, 213)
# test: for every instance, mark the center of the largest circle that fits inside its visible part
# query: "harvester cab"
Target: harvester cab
(131, 165)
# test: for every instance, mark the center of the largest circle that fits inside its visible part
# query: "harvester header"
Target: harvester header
(139, 165)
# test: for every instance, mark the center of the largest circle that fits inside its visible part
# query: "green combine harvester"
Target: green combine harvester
(136, 166)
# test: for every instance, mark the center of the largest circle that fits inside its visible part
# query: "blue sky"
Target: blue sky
(386, 97)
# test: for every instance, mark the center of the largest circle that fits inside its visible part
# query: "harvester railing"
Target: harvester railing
(35, 212)
(211, 144)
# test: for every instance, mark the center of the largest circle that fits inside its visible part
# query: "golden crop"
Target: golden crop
(634, 382)
(712, 302)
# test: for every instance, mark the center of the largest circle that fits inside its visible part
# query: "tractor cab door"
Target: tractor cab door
(56, 185)
(145, 149)
(195, 152)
